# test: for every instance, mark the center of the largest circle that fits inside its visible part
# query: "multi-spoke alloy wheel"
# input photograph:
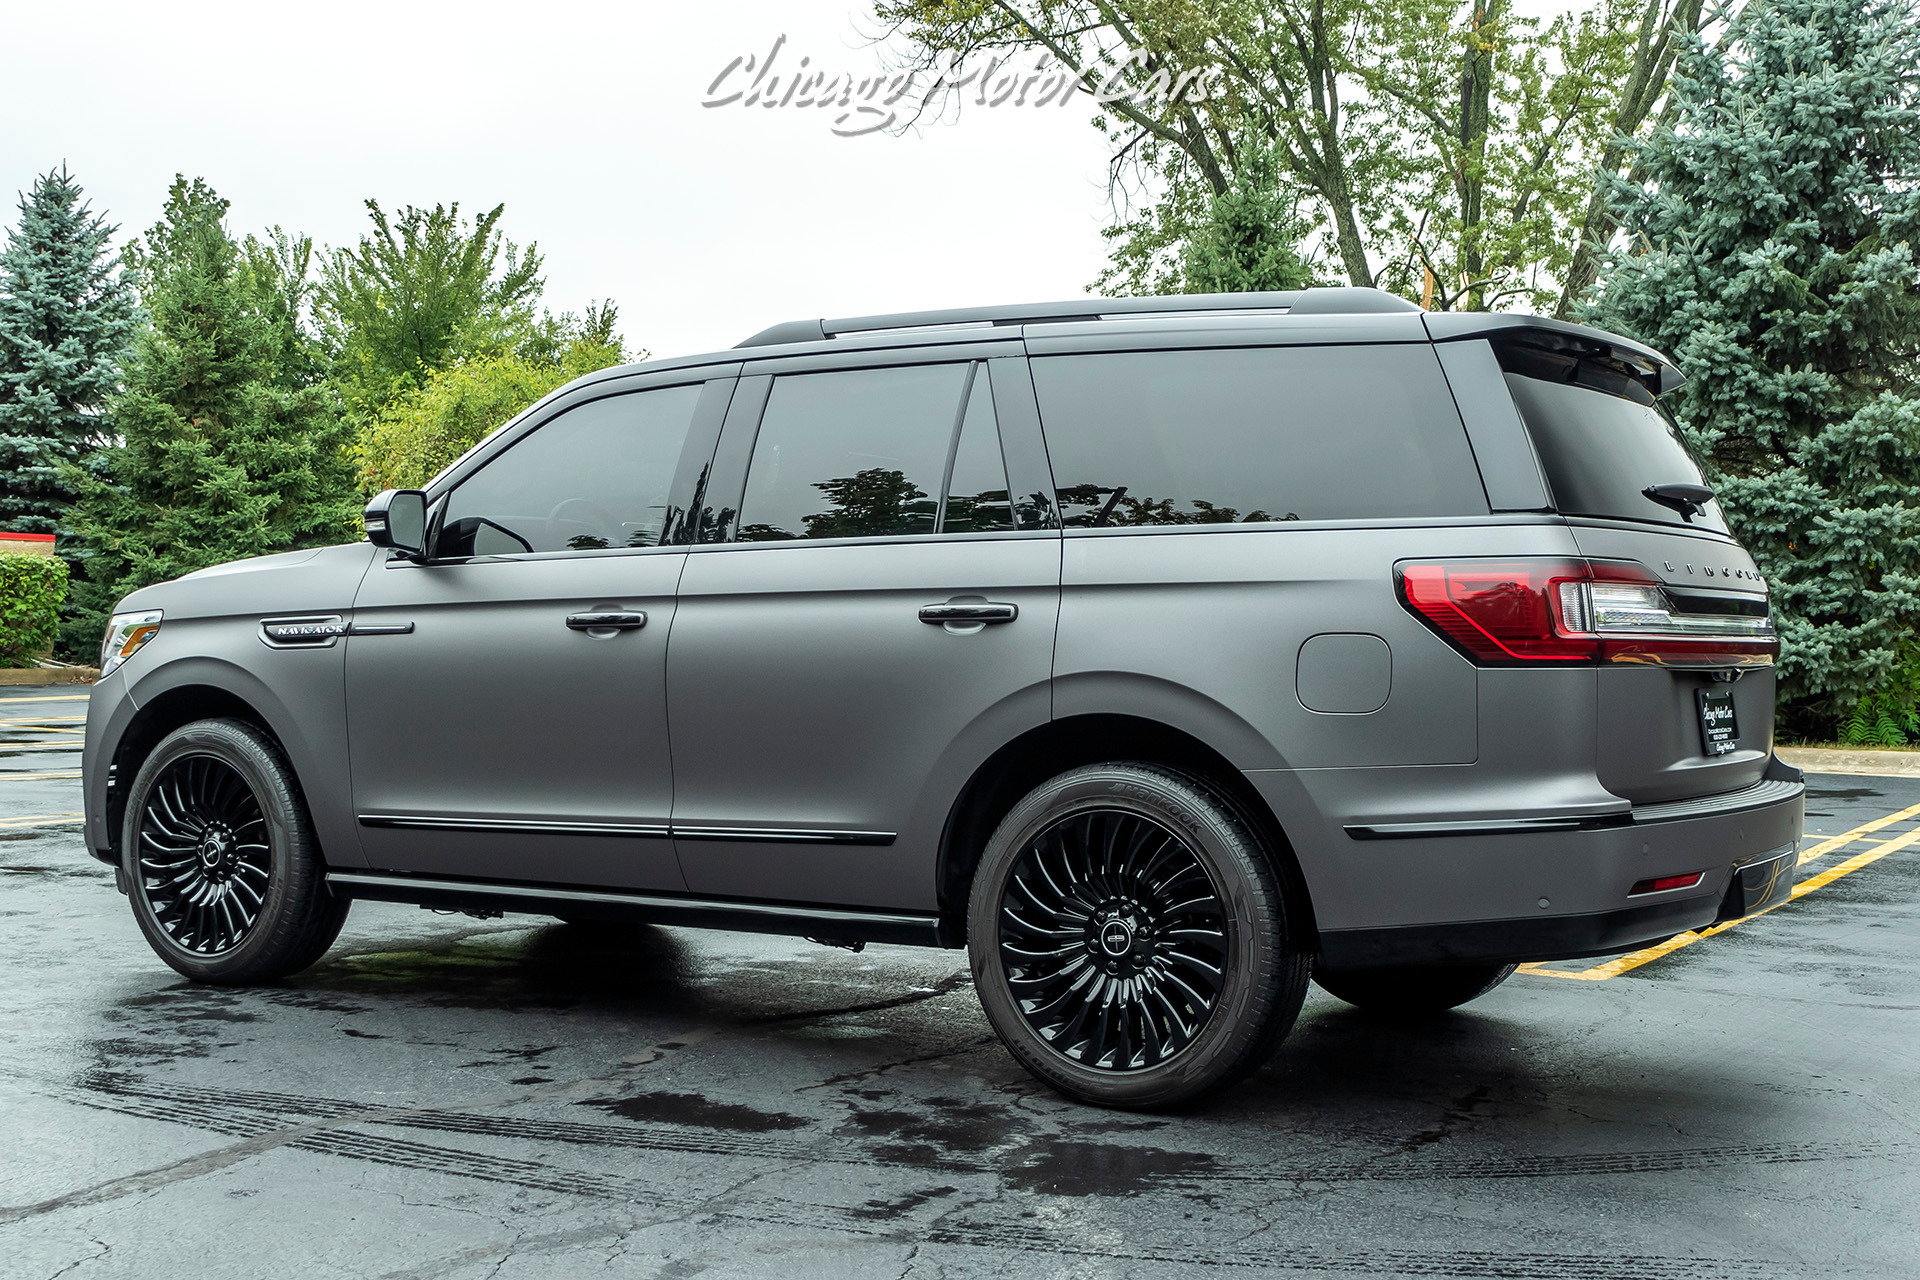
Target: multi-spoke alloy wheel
(1130, 937)
(1114, 940)
(204, 854)
(218, 857)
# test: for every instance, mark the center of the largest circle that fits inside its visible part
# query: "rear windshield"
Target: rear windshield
(1254, 434)
(1602, 440)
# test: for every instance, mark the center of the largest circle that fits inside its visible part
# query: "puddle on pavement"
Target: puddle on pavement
(634, 967)
(1066, 1167)
(700, 1112)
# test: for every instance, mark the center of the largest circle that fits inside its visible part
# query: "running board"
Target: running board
(836, 924)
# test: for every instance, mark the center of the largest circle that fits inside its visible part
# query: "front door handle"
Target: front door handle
(968, 611)
(606, 621)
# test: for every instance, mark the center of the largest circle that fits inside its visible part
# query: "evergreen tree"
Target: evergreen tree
(228, 446)
(1248, 239)
(1773, 253)
(67, 315)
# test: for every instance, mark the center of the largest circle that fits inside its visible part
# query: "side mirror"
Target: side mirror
(397, 518)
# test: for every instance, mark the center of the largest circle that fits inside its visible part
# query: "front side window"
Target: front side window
(876, 453)
(1254, 434)
(595, 477)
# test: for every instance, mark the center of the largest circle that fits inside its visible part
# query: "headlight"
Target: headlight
(126, 632)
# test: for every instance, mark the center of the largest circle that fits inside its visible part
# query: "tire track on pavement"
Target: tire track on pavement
(158, 1101)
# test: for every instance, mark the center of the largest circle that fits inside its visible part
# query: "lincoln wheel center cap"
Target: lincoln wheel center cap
(213, 849)
(1116, 937)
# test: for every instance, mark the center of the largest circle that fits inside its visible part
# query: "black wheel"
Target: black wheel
(220, 860)
(1130, 940)
(1413, 990)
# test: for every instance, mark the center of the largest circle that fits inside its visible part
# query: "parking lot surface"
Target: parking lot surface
(443, 1096)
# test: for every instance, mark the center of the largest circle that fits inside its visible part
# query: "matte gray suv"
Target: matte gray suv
(1164, 652)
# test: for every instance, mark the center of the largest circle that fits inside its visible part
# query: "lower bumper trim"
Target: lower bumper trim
(1605, 933)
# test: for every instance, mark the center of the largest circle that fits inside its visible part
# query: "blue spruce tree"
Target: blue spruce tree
(1774, 251)
(67, 317)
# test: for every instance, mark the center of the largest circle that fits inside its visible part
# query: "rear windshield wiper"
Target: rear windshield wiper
(1688, 499)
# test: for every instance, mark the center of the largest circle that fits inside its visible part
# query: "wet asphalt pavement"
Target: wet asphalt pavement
(442, 1096)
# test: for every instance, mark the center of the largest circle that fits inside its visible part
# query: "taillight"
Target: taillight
(1524, 611)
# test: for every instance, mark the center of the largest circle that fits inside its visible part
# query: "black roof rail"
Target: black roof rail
(1296, 302)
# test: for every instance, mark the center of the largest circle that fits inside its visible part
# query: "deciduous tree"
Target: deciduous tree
(1430, 135)
(425, 288)
(423, 429)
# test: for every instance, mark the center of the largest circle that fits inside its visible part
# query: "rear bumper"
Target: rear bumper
(1543, 887)
(1760, 883)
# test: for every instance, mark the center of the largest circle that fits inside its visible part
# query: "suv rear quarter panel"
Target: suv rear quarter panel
(1202, 629)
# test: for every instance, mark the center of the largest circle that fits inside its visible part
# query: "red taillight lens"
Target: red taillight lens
(1499, 612)
(1523, 611)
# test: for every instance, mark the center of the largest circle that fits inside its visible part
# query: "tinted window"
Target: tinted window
(854, 454)
(1270, 433)
(1602, 440)
(597, 476)
(977, 498)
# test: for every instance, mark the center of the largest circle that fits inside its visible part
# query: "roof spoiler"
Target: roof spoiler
(1654, 367)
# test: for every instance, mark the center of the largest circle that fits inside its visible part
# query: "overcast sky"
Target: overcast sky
(585, 118)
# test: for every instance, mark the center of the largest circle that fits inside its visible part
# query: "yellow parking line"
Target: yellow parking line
(1633, 960)
(1846, 838)
(65, 697)
(38, 777)
(29, 721)
(40, 819)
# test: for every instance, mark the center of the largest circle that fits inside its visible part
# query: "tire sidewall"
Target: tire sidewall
(259, 766)
(1241, 880)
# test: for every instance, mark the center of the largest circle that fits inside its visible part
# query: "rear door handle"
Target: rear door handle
(987, 611)
(606, 621)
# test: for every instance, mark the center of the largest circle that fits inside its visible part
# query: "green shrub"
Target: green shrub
(32, 589)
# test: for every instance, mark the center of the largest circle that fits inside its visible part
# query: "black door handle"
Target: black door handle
(968, 611)
(606, 621)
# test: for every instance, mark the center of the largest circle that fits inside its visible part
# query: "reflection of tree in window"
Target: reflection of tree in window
(870, 503)
(1127, 510)
(988, 512)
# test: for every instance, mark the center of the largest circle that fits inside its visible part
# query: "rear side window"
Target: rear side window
(877, 453)
(1254, 434)
(1602, 439)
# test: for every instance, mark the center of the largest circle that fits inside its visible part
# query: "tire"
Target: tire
(1153, 876)
(221, 864)
(1413, 990)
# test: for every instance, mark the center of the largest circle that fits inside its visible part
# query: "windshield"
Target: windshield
(1601, 449)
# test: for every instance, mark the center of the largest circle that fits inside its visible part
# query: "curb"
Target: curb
(1885, 764)
(18, 676)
